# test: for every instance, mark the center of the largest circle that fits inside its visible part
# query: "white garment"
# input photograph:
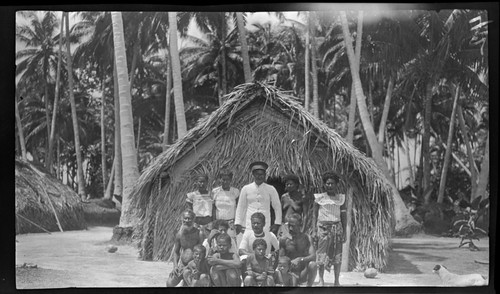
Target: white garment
(249, 237)
(255, 198)
(202, 203)
(225, 202)
(329, 207)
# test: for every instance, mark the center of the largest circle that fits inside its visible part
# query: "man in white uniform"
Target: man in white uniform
(258, 197)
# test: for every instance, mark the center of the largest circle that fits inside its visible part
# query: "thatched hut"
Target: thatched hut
(43, 203)
(258, 122)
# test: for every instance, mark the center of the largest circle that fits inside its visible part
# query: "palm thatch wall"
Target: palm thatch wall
(257, 122)
(40, 197)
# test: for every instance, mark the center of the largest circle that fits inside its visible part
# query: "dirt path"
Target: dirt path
(79, 259)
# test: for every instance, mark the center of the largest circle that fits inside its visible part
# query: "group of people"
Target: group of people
(226, 237)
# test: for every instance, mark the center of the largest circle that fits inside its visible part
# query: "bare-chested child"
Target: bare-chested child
(284, 276)
(293, 201)
(260, 269)
(197, 272)
(185, 239)
(225, 270)
(298, 246)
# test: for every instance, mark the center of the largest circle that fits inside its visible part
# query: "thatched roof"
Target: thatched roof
(258, 122)
(38, 195)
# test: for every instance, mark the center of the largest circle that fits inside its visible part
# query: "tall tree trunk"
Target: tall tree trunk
(118, 186)
(168, 102)
(135, 55)
(314, 67)
(484, 174)
(385, 112)
(138, 134)
(223, 57)
(350, 138)
(472, 164)
(109, 187)
(79, 161)
(404, 222)
(58, 152)
(444, 171)
(56, 99)
(307, 70)
(426, 176)
(103, 138)
(176, 73)
(370, 96)
(129, 154)
(244, 47)
(20, 133)
(405, 139)
(47, 120)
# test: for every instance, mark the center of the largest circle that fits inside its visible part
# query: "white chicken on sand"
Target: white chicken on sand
(454, 280)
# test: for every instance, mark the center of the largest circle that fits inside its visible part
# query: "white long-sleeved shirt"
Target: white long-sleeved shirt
(257, 198)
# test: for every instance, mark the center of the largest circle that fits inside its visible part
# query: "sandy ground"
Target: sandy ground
(79, 259)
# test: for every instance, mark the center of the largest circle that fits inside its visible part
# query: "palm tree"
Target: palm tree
(350, 137)
(20, 132)
(244, 47)
(177, 78)
(37, 59)
(79, 161)
(56, 99)
(404, 221)
(129, 155)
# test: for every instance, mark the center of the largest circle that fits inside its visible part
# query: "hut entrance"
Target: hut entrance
(279, 185)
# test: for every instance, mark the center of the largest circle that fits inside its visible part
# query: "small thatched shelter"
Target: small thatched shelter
(257, 122)
(43, 203)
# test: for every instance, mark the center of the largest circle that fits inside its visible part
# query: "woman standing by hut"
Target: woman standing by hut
(330, 217)
(258, 197)
(201, 202)
(225, 201)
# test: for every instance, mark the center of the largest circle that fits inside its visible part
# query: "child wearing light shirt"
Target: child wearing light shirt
(225, 201)
(201, 202)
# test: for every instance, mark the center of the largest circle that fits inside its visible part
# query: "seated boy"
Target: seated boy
(210, 243)
(259, 267)
(197, 271)
(225, 265)
(284, 276)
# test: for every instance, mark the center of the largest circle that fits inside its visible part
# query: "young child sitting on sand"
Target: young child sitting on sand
(197, 271)
(285, 277)
(259, 267)
(225, 265)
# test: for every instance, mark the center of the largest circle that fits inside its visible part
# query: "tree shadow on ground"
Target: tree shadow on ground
(402, 255)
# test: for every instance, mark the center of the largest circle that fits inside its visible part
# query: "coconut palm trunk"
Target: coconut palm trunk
(56, 100)
(168, 102)
(426, 160)
(244, 47)
(223, 57)
(118, 186)
(447, 155)
(306, 66)
(314, 67)
(129, 154)
(20, 132)
(350, 138)
(484, 174)
(176, 74)
(404, 222)
(385, 112)
(78, 152)
(472, 164)
(103, 139)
